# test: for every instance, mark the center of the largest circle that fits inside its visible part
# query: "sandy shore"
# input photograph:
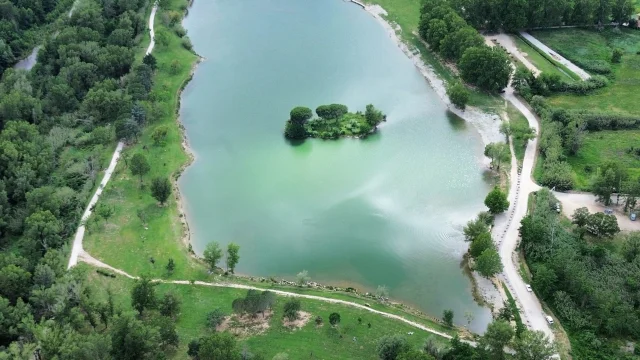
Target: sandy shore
(488, 125)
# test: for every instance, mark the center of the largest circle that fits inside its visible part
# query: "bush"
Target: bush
(159, 135)
(186, 43)
(595, 66)
(106, 273)
(179, 30)
(291, 309)
(616, 57)
(458, 94)
(557, 174)
(215, 318)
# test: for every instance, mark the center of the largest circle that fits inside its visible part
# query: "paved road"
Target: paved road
(77, 240)
(571, 66)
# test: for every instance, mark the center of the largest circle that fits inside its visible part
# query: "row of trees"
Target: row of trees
(512, 15)
(213, 254)
(529, 345)
(449, 34)
(482, 249)
(581, 279)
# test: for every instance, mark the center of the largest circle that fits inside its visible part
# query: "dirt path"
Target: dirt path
(507, 42)
(152, 18)
(573, 67)
(77, 240)
(84, 256)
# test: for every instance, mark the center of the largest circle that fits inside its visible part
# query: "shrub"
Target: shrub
(557, 174)
(179, 30)
(106, 273)
(159, 135)
(291, 309)
(616, 56)
(186, 43)
(215, 318)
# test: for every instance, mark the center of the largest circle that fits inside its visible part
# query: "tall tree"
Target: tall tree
(143, 295)
(489, 263)
(533, 345)
(139, 165)
(487, 68)
(233, 256)
(218, 346)
(212, 254)
(131, 339)
(498, 335)
(496, 201)
(161, 189)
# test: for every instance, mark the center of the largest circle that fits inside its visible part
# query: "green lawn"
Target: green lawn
(140, 229)
(324, 342)
(518, 119)
(602, 146)
(622, 94)
(406, 13)
(540, 62)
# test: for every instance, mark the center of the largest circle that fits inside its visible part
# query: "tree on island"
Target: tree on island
(333, 111)
(373, 116)
(295, 125)
(496, 201)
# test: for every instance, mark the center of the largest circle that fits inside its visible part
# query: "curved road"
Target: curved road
(76, 248)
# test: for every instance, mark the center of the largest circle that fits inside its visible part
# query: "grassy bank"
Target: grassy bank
(324, 342)
(516, 118)
(141, 236)
(406, 13)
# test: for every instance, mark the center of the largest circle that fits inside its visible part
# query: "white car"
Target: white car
(549, 319)
(528, 287)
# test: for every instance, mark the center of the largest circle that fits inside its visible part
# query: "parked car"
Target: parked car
(558, 207)
(608, 211)
(632, 216)
(528, 287)
(549, 319)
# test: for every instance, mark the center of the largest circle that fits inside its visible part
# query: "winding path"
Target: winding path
(573, 67)
(77, 248)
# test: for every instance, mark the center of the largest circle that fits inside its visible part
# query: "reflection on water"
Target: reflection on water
(384, 210)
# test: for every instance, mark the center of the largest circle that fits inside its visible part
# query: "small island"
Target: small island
(334, 121)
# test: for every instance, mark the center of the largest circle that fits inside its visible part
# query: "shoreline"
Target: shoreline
(487, 125)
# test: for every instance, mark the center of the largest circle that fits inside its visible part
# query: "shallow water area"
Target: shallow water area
(385, 210)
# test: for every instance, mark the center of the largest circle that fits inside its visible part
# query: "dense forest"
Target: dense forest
(21, 22)
(58, 125)
(591, 281)
(511, 15)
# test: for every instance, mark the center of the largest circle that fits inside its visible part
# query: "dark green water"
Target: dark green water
(387, 210)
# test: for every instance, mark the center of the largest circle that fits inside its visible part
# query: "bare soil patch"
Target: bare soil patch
(246, 325)
(299, 323)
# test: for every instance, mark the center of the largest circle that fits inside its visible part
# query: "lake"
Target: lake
(386, 210)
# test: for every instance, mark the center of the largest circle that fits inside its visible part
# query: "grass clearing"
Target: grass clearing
(140, 229)
(541, 62)
(603, 146)
(622, 93)
(324, 342)
(517, 119)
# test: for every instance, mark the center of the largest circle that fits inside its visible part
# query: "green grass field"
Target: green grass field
(324, 342)
(622, 94)
(602, 146)
(518, 119)
(542, 63)
(140, 229)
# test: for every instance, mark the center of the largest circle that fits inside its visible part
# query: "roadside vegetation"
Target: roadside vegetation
(577, 269)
